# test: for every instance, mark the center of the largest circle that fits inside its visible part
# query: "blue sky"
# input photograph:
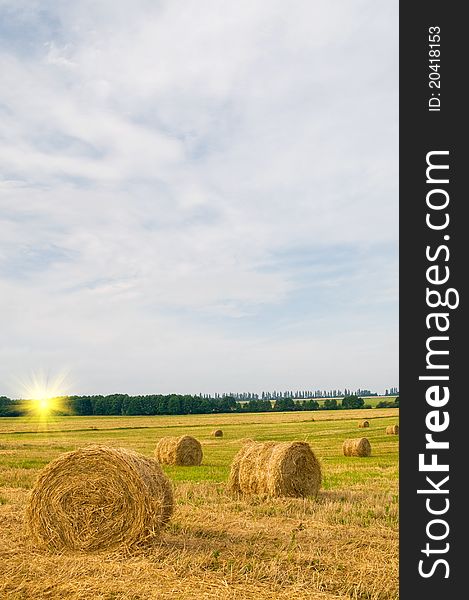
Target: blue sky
(199, 196)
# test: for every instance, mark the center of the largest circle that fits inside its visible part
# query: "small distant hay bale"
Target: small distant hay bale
(184, 451)
(357, 447)
(218, 433)
(99, 498)
(275, 469)
(392, 430)
(363, 424)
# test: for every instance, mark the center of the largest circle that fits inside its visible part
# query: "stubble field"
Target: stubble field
(342, 545)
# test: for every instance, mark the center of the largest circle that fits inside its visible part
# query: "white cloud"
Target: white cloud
(159, 157)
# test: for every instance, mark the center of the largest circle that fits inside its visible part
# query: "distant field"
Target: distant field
(341, 545)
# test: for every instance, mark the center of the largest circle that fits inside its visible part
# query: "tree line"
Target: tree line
(177, 404)
(299, 394)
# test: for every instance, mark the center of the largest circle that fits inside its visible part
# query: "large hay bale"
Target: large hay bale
(275, 469)
(357, 447)
(218, 433)
(363, 424)
(392, 430)
(184, 451)
(99, 498)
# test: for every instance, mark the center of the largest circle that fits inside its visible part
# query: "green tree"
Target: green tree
(310, 404)
(352, 401)
(81, 405)
(9, 408)
(174, 405)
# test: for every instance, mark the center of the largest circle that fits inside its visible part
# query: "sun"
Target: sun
(43, 402)
(44, 394)
(44, 405)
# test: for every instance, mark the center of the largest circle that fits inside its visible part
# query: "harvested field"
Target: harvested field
(343, 545)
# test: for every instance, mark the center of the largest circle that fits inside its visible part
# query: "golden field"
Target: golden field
(342, 545)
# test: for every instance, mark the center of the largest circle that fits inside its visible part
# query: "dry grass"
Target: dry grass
(342, 545)
(275, 469)
(364, 424)
(87, 424)
(220, 548)
(392, 430)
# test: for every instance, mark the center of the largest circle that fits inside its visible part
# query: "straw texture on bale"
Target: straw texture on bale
(246, 441)
(184, 451)
(218, 433)
(357, 447)
(363, 424)
(275, 469)
(392, 430)
(99, 498)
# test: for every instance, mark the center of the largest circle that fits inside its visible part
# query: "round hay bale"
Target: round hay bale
(363, 424)
(184, 451)
(275, 469)
(99, 498)
(218, 433)
(357, 447)
(392, 430)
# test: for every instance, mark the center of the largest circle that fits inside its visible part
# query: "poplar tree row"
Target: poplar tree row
(176, 404)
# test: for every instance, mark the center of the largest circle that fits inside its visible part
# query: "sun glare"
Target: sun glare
(44, 405)
(43, 400)
(44, 394)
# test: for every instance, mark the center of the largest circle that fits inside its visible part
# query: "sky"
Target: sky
(199, 195)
